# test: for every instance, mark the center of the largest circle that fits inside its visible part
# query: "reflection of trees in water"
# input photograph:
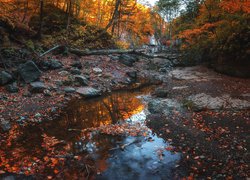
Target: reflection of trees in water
(101, 111)
(27, 142)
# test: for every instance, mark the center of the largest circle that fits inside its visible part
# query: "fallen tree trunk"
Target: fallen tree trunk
(50, 50)
(99, 52)
(102, 52)
(139, 52)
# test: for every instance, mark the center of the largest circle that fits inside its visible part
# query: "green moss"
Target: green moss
(188, 104)
(30, 45)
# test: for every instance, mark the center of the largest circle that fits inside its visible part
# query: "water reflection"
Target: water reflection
(50, 150)
(102, 111)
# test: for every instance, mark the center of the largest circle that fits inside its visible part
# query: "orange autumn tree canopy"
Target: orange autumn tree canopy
(217, 29)
(133, 22)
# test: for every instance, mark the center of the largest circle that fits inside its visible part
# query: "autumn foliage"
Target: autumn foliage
(217, 32)
(129, 24)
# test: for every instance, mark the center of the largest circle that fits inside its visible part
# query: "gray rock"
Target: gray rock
(128, 60)
(77, 64)
(51, 64)
(37, 87)
(29, 72)
(75, 71)
(203, 101)
(21, 120)
(97, 70)
(64, 73)
(107, 75)
(132, 74)
(165, 106)
(53, 109)
(69, 90)
(47, 92)
(88, 92)
(55, 64)
(59, 82)
(195, 73)
(161, 92)
(114, 58)
(247, 95)
(180, 87)
(162, 63)
(5, 125)
(126, 81)
(83, 81)
(38, 115)
(5, 77)
(12, 88)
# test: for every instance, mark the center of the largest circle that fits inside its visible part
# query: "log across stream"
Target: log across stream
(105, 138)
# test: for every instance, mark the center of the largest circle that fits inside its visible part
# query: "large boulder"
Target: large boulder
(37, 87)
(75, 71)
(29, 71)
(160, 92)
(5, 78)
(88, 92)
(51, 64)
(128, 60)
(81, 80)
(162, 63)
(204, 101)
(164, 106)
(69, 90)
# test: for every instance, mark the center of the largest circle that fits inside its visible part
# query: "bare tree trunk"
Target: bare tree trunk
(65, 6)
(99, 13)
(69, 13)
(26, 10)
(39, 32)
(114, 16)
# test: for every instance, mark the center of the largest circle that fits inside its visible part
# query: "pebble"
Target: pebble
(38, 115)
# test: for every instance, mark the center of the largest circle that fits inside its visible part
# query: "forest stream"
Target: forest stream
(128, 90)
(104, 137)
(195, 119)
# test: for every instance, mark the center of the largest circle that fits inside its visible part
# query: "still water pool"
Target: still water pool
(101, 138)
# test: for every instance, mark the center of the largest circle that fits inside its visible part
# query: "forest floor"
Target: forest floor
(205, 115)
(212, 131)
